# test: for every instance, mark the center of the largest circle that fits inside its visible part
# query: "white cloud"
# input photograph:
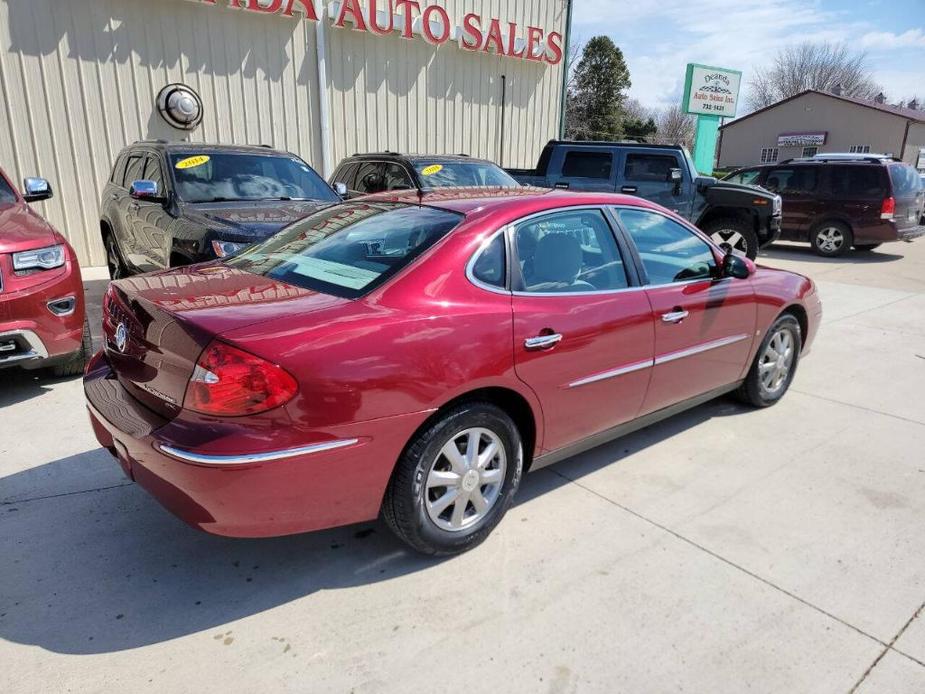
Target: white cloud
(886, 40)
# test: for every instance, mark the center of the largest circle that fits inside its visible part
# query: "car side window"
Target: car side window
(396, 177)
(489, 267)
(579, 164)
(153, 172)
(796, 180)
(134, 170)
(568, 251)
(118, 171)
(652, 168)
(369, 178)
(346, 175)
(857, 182)
(669, 251)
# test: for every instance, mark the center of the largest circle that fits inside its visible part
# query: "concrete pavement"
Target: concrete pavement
(724, 550)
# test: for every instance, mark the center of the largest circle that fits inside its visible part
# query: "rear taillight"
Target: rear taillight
(229, 382)
(888, 209)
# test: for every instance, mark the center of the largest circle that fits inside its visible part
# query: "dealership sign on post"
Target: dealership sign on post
(411, 19)
(710, 93)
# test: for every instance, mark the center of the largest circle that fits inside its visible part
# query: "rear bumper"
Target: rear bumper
(31, 334)
(336, 477)
(911, 233)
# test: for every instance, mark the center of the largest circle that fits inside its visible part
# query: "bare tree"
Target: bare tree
(822, 66)
(675, 127)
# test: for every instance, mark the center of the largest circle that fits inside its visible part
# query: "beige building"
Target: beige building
(814, 122)
(80, 80)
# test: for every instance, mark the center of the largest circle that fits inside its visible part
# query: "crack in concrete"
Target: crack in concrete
(55, 496)
(858, 407)
(889, 647)
(748, 572)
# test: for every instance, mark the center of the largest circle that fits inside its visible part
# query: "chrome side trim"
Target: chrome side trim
(36, 347)
(697, 349)
(613, 373)
(248, 458)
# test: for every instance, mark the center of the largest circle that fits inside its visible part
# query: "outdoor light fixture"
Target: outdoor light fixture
(180, 106)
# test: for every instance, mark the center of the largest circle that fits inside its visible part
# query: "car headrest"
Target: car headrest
(558, 258)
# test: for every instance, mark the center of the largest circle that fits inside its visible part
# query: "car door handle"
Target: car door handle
(675, 316)
(542, 341)
(114, 196)
(629, 189)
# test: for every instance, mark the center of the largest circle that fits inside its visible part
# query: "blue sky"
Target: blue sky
(659, 38)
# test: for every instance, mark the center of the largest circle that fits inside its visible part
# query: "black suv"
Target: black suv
(364, 174)
(170, 204)
(836, 201)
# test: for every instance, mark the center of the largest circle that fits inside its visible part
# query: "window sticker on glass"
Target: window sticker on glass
(335, 273)
(432, 169)
(191, 162)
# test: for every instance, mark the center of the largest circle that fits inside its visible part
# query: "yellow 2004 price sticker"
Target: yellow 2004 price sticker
(191, 162)
(432, 169)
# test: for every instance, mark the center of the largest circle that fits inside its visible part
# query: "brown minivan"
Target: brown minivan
(836, 201)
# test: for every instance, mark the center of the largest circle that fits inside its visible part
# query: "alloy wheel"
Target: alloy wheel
(733, 238)
(465, 479)
(777, 361)
(830, 239)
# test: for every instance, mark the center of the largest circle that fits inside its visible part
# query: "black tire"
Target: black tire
(831, 239)
(738, 233)
(74, 366)
(866, 247)
(404, 507)
(754, 390)
(114, 262)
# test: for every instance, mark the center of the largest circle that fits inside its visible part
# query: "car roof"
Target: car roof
(397, 156)
(472, 200)
(184, 147)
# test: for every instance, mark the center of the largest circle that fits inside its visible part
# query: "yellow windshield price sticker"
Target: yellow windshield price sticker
(191, 162)
(432, 169)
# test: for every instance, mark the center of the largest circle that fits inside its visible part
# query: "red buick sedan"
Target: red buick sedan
(413, 358)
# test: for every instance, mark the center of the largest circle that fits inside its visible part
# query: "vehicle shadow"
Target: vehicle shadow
(804, 253)
(19, 385)
(106, 569)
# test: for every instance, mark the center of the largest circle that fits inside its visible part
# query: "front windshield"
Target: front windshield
(461, 174)
(348, 250)
(216, 176)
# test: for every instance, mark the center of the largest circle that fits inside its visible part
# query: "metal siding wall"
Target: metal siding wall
(78, 80)
(408, 96)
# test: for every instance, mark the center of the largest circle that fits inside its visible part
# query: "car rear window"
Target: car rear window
(7, 195)
(348, 250)
(906, 181)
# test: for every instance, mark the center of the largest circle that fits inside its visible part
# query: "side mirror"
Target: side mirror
(704, 182)
(145, 190)
(36, 189)
(736, 266)
(340, 189)
(675, 175)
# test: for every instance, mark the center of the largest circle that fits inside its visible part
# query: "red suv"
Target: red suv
(836, 201)
(42, 317)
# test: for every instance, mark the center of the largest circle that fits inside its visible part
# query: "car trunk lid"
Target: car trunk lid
(907, 195)
(157, 325)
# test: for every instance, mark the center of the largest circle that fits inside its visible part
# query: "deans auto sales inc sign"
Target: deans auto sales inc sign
(413, 20)
(711, 91)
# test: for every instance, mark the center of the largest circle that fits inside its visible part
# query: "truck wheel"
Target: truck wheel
(455, 481)
(831, 239)
(117, 269)
(75, 364)
(736, 232)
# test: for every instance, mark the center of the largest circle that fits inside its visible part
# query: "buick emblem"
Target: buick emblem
(121, 337)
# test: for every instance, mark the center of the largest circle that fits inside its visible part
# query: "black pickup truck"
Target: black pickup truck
(746, 217)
